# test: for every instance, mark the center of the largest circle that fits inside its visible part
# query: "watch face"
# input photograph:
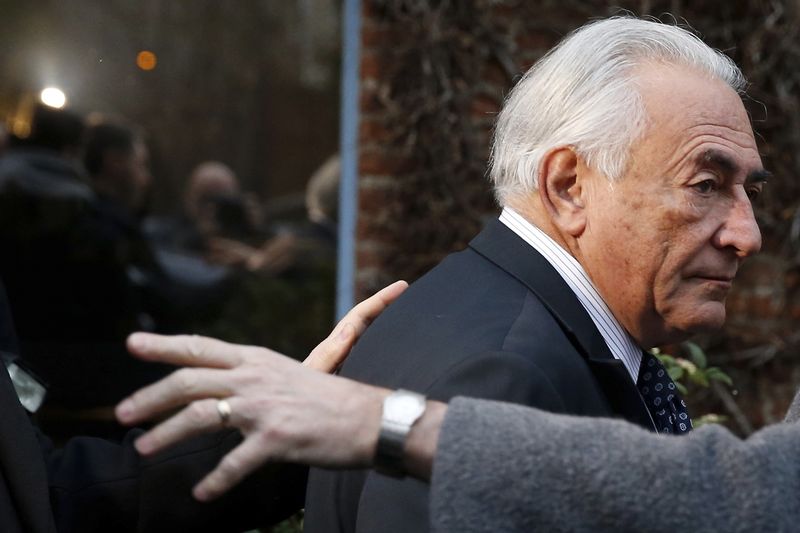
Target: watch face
(405, 408)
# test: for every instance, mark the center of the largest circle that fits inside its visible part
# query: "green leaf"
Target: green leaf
(699, 377)
(697, 354)
(687, 365)
(666, 360)
(675, 372)
(715, 374)
(682, 388)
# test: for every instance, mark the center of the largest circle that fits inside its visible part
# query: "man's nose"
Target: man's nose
(740, 229)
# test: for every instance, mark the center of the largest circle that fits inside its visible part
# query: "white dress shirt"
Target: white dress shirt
(620, 343)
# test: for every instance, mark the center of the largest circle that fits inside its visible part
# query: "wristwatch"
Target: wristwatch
(401, 409)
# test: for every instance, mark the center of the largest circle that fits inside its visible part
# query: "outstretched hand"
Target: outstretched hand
(284, 410)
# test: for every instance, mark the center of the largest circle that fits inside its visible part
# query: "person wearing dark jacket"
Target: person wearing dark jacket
(94, 485)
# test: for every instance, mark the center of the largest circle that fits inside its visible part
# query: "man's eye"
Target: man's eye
(754, 191)
(705, 186)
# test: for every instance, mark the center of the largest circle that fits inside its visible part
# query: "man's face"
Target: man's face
(139, 173)
(129, 172)
(663, 243)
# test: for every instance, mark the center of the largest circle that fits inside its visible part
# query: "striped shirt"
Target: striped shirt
(620, 343)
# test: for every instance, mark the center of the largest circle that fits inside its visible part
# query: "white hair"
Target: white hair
(583, 94)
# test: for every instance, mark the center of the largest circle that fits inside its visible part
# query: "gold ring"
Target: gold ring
(224, 411)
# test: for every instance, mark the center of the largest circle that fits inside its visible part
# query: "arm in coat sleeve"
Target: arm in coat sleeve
(502, 467)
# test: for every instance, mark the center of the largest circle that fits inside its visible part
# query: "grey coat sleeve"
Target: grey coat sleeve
(793, 414)
(506, 468)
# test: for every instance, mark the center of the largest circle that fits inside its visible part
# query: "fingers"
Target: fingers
(197, 418)
(332, 351)
(364, 313)
(186, 350)
(242, 460)
(179, 388)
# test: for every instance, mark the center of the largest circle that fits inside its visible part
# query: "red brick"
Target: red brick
(373, 228)
(372, 65)
(369, 99)
(378, 37)
(494, 74)
(505, 12)
(384, 162)
(374, 256)
(375, 131)
(535, 40)
(484, 104)
(375, 198)
(369, 11)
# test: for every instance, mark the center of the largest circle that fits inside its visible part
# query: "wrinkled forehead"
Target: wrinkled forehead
(689, 110)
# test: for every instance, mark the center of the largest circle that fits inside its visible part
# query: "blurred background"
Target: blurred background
(253, 84)
(166, 166)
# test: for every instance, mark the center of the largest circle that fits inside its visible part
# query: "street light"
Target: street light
(53, 97)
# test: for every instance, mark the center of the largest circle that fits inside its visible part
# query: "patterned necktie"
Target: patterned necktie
(661, 397)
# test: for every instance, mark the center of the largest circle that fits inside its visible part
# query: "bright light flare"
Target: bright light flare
(53, 97)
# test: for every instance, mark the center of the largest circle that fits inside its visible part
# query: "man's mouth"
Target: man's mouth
(721, 280)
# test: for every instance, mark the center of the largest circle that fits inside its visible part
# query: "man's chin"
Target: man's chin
(706, 318)
(706, 323)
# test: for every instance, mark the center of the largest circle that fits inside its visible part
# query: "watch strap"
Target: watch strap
(390, 452)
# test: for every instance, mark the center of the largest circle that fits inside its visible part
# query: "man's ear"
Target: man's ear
(561, 191)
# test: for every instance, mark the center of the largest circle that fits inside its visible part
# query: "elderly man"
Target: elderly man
(625, 165)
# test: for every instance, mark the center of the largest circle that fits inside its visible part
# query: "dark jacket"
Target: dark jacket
(494, 321)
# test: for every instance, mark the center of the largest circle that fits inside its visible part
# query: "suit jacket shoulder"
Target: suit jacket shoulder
(493, 321)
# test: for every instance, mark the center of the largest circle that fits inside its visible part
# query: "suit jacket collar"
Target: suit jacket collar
(498, 244)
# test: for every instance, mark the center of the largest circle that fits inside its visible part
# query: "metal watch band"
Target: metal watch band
(401, 410)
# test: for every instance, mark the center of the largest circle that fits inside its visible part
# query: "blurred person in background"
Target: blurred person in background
(43, 193)
(117, 161)
(72, 260)
(213, 206)
(294, 246)
(80, 273)
(288, 281)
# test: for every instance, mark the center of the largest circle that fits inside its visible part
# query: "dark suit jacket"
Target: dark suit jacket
(93, 485)
(493, 321)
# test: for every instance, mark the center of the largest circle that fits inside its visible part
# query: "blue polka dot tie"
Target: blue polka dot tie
(661, 397)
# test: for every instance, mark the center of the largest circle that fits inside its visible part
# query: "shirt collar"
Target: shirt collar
(620, 343)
